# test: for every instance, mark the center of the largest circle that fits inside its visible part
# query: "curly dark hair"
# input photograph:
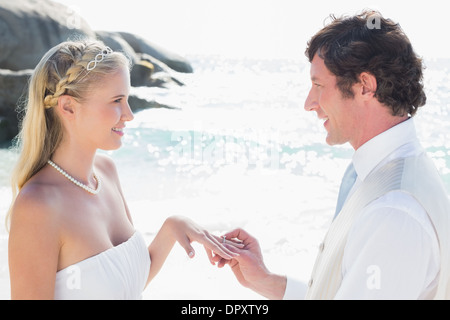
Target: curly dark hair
(370, 43)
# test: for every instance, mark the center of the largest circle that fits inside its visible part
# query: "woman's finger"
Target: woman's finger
(232, 242)
(219, 244)
(212, 244)
(186, 244)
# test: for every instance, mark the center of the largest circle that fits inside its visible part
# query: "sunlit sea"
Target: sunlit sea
(239, 150)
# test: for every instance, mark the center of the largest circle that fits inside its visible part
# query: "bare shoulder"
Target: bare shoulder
(106, 165)
(36, 206)
(104, 161)
(34, 242)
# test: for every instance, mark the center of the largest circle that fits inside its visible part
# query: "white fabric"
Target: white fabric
(295, 289)
(119, 273)
(380, 253)
(396, 219)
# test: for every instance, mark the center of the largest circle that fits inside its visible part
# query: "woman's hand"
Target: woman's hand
(185, 231)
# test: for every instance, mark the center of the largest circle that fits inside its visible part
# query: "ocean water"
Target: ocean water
(239, 150)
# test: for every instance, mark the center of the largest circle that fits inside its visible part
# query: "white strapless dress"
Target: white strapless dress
(119, 273)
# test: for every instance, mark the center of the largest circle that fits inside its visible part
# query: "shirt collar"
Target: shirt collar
(370, 154)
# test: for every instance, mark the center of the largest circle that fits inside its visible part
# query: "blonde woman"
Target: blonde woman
(71, 233)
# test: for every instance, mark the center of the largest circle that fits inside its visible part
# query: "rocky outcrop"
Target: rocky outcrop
(171, 59)
(151, 66)
(29, 28)
(12, 92)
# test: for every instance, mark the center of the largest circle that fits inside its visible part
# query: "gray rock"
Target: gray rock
(141, 45)
(13, 85)
(29, 28)
(138, 104)
(150, 72)
(115, 41)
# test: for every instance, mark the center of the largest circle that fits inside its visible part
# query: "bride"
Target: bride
(71, 233)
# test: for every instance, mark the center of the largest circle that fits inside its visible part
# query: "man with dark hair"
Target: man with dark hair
(390, 237)
(355, 45)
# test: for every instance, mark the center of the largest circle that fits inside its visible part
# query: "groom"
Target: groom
(394, 218)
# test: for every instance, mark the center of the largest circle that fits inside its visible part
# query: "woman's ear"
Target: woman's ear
(368, 84)
(66, 106)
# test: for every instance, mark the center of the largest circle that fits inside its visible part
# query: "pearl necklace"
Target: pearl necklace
(75, 181)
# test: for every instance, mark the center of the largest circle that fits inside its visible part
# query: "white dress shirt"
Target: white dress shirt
(392, 251)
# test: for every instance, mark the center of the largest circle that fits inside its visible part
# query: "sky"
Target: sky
(257, 28)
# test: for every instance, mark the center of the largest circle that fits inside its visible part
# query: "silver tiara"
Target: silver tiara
(98, 58)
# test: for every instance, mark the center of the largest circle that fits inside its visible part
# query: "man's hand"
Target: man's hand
(249, 267)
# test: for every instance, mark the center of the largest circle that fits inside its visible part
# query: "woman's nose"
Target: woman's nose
(127, 114)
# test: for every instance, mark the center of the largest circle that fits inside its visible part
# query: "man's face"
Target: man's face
(340, 115)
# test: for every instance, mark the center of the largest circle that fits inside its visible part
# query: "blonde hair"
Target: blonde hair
(66, 69)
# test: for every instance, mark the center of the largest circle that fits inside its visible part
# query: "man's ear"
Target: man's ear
(368, 84)
(66, 106)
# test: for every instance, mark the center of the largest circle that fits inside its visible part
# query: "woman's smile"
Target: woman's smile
(119, 131)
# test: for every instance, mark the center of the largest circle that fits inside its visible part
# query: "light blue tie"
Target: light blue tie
(347, 183)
